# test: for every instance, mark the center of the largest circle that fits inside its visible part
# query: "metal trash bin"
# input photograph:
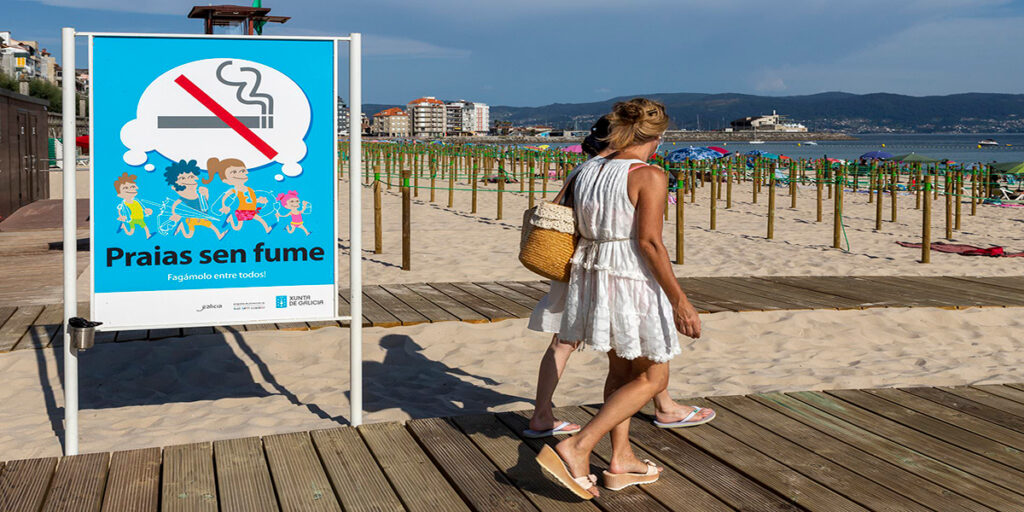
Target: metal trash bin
(83, 332)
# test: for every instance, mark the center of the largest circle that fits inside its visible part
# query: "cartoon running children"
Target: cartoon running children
(233, 172)
(291, 202)
(130, 213)
(193, 201)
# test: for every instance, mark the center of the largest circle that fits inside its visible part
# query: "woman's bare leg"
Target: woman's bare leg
(551, 367)
(648, 378)
(667, 410)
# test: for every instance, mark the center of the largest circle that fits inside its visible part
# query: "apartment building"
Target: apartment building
(428, 117)
(391, 123)
(467, 118)
(25, 60)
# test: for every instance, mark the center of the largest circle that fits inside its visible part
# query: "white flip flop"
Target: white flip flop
(559, 430)
(685, 422)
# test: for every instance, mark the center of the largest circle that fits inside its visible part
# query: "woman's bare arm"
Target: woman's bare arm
(648, 190)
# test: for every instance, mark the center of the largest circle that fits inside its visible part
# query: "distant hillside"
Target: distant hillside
(825, 112)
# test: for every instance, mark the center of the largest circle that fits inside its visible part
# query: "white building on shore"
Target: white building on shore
(428, 117)
(468, 118)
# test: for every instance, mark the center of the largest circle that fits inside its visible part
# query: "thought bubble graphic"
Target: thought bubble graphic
(221, 108)
(149, 167)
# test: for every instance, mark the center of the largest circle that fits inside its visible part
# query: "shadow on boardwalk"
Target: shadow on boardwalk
(428, 384)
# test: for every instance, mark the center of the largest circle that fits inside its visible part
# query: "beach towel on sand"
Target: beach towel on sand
(967, 250)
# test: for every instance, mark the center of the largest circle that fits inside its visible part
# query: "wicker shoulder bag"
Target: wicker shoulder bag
(548, 237)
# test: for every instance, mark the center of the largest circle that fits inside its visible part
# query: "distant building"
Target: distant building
(467, 118)
(774, 122)
(24, 60)
(343, 128)
(428, 117)
(391, 123)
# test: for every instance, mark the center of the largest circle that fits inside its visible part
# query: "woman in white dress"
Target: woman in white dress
(547, 317)
(622, 297)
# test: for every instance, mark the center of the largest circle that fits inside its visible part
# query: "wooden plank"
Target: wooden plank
(132, 335)
(376, 315)
(996, 402)
(722, 481)
(508, 293)
(764, 301)
(675, 491)
(936, 288)
(524, 289)
(832, 286)
(298, 475)
(971, 293)
(768, 472)
(456, 308)
(814, 466)
(998, 286)
(250, 328)
(1001, 390)
(483, 309)
(971, 407)
(892, 452)
(479, 482)
(542, 286)
(402, 311)
(159, 334)
(898, 294)
(431, 311)
(895, 478)
(197, 331)
(516, 461)
(496, 300)
(358, 481)
(133, 482)
(292, 326)
(6, 312)
(23, 484)
(344, 309)
(936, 428)
(830, 300)
(632, 498)
(922, 443)
(188, 483)
(700, 291)
(17, 325)
(243, 479)
(1010, 438)
(417, 482)
(320, 324)
(803, 299)
(78, 484)
(44, 329)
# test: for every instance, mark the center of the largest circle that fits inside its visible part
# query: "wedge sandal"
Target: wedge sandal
(580, 486)
(619, 481)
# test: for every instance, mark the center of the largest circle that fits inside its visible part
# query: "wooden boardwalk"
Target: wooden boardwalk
(38, 326)
(939, 449)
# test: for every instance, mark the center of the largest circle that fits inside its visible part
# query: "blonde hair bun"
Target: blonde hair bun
(636, 121)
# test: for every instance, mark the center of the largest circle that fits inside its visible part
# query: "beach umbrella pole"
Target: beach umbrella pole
(70, 246)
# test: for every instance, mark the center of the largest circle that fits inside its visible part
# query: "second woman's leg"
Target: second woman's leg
(552, 364)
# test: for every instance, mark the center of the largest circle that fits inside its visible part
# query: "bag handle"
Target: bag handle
(567, 195)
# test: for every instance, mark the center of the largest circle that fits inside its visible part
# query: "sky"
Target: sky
(538, 52)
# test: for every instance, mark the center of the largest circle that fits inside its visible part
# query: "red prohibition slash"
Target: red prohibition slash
(225, 116)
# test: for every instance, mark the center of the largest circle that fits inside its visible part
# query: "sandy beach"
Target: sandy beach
(202, 388)
(453, 244)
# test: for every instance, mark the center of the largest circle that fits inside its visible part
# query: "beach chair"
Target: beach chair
(1011, 195)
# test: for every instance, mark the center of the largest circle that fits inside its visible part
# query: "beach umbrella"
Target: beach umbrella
(876, 155)
(720, 150)
(576, 148)
(763, 154)
(914, 158)
(692, 153)
(1009, 167)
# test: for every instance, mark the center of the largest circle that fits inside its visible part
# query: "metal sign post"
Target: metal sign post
(70, 240)
(272, 308)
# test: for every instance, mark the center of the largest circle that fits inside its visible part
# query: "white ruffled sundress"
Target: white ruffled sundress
(612, 301)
